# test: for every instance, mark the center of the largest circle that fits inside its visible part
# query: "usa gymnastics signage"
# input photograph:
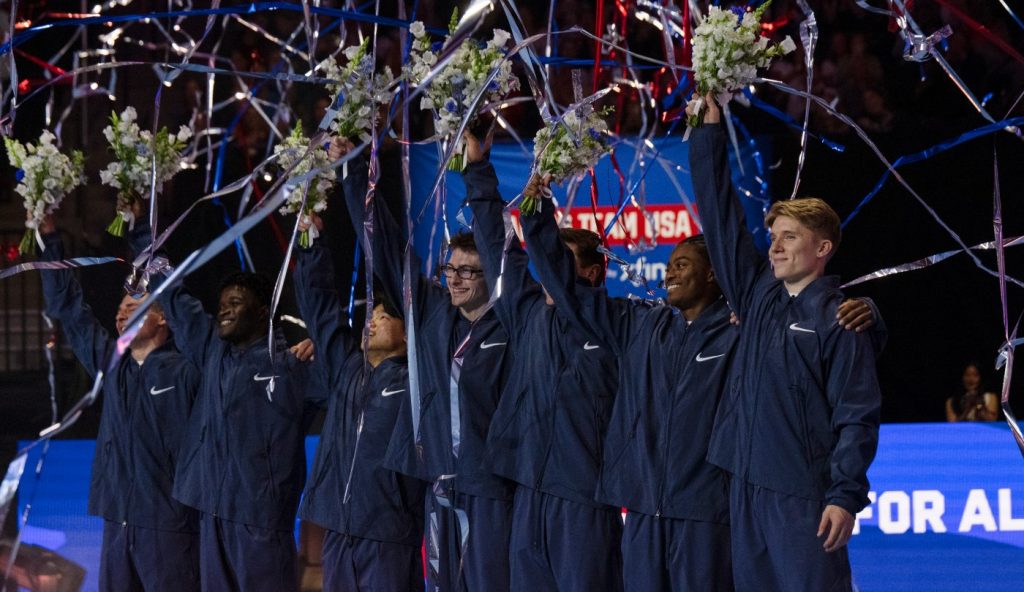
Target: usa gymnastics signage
(948, 511)
(662, 225)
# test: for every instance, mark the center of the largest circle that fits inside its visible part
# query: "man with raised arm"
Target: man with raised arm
(549, 428)
(799, 426)
(244, 458)
(150, 540)
(462, 367)
(674, 362)
(673, 366)
(373, 516)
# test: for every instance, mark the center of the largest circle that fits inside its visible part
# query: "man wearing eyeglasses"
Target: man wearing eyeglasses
(462, 363)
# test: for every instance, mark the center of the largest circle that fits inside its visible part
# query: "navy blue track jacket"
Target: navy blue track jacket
(671, 377)
(440, 329)
(145, 410)
(244, 457)
(549, 428)
(801, 417)
(348, 490)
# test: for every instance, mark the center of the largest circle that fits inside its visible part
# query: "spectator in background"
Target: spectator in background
(972, 403)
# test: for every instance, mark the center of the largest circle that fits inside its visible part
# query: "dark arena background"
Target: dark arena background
(935, 164)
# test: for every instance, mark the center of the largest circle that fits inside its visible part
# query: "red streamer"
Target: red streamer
(983, 31)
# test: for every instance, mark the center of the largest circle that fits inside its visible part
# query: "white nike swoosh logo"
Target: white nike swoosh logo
(486, 345)
(702, 358)
(155, 391)
(796, 327)
(259, 378)
(589, 347)
(387, 393)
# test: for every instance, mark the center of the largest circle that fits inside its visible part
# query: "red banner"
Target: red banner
(672, 222)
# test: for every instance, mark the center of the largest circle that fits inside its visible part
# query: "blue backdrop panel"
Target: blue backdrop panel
(662, 182)
(948, 511)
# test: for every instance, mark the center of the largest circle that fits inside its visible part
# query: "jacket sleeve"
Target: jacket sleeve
(879, 332)
(386, 240)
(193, 328)
(735, 259)
(63, 296)
(320, 305)
(140, 237)
(855, 398)
(519, 292)
(190, 325)
(592, 309)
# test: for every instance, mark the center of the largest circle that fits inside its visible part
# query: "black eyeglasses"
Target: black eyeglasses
(464, 272)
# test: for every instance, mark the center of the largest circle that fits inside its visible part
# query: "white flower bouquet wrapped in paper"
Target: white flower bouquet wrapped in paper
(728, 48)
(451, 92)
(566, 149)
(290, 151)
(131, 171)
(45, 177)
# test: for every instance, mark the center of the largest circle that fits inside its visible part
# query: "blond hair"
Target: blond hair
(811, 212)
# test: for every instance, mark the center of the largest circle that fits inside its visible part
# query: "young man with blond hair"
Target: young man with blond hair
(798, 427)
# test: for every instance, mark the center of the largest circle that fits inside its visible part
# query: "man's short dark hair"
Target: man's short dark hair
(586, 243)
(380, 298)
(464, 242)
(258, 284)
(698, 242)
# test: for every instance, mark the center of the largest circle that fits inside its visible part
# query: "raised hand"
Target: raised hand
(339, 147)
(475, 150)
(712, 114)
(311, 220)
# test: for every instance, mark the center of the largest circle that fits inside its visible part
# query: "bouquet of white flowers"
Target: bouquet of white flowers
(727, 51)
(291, 150)
(451, 91)
(567, 149)
(44, 178)
(361, 92)
(131, 170)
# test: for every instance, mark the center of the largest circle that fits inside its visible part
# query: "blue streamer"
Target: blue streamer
(684, 84)
(765, 197)
(65, 264)
(785, 118)
(222, 149)
(352, 286)
(251, 8)
(632, 190)
(930, 152)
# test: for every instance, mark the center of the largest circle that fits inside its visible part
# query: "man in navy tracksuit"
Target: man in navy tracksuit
(799, 426)
(243, 462)
(674, 363)
(373, 517)
(150, 541)
(462, 367)
(549, 427)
